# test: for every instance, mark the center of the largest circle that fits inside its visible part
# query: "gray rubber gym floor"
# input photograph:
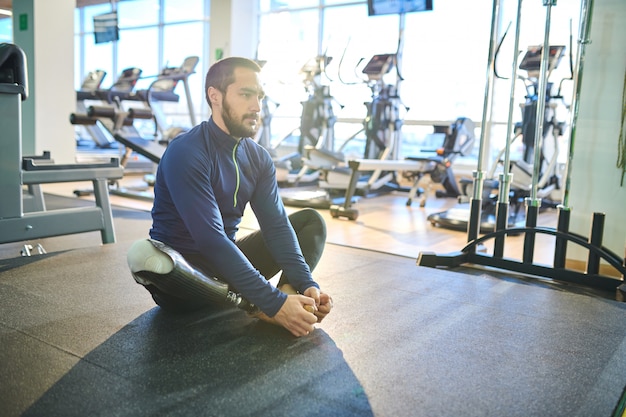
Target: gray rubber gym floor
(79, 338)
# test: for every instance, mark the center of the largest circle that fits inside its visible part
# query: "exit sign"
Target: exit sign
(23, 21)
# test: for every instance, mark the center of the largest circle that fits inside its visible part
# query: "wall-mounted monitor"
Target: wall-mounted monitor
(105, 28)
(381, 7)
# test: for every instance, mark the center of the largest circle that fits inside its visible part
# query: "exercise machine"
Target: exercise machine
(91, 83)
(521, 169)
(459, 141)
(317, 122)
(121, 88)
(122, 129)
(436, 165)
(263, 137)
(316, 129)
(20, 221)
(563, 237)
(381, 128)
(92, 93)
(163, 90)
(112, 119)
(117, 118)
(88, 90)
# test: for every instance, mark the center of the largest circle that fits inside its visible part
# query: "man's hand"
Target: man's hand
(323, 302)
(293, 317)
(300, 312)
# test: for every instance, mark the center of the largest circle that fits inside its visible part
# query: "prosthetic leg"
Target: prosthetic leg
(153, 263)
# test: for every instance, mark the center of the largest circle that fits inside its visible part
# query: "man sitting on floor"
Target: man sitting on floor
(204, 181)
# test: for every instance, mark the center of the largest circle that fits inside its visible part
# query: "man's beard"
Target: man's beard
(235, 128)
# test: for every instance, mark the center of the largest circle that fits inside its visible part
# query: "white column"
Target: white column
(233, 28)
(595, 176)
(44, 29)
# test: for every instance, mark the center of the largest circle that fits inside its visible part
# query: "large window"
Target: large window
(176, 52)
(180, 11)
(138, 13)
(350, 47)
(443, 63)
(153, 35)
(6, 29)
(138, 49)
(443, 56)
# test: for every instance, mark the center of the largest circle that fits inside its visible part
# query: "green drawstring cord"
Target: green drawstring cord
(237, 172)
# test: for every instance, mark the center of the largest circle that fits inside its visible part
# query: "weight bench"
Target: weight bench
(17, 172)
(121, 120)
(119, 124)
(361, 165)
(458, 142)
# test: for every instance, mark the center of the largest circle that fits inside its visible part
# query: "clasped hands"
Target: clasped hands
(296, 316)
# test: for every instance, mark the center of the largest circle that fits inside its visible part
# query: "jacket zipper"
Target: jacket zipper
(237, 174)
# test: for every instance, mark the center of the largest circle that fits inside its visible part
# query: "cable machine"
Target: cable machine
(593, 244)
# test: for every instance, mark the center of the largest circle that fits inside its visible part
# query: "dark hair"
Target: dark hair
(221, 74)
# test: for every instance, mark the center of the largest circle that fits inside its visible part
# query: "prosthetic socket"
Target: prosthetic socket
(153, 263)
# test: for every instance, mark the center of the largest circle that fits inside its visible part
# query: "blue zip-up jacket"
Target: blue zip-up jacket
(203, 184)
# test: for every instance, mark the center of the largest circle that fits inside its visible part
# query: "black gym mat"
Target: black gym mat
(79, 337)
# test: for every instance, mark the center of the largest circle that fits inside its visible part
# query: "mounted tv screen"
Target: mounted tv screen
(105, 27)
(381, 7)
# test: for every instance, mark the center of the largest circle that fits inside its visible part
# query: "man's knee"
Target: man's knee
(310, 219)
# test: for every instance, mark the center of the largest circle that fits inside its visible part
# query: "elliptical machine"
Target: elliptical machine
(521, 169)
(381, 128)
(316, 129)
